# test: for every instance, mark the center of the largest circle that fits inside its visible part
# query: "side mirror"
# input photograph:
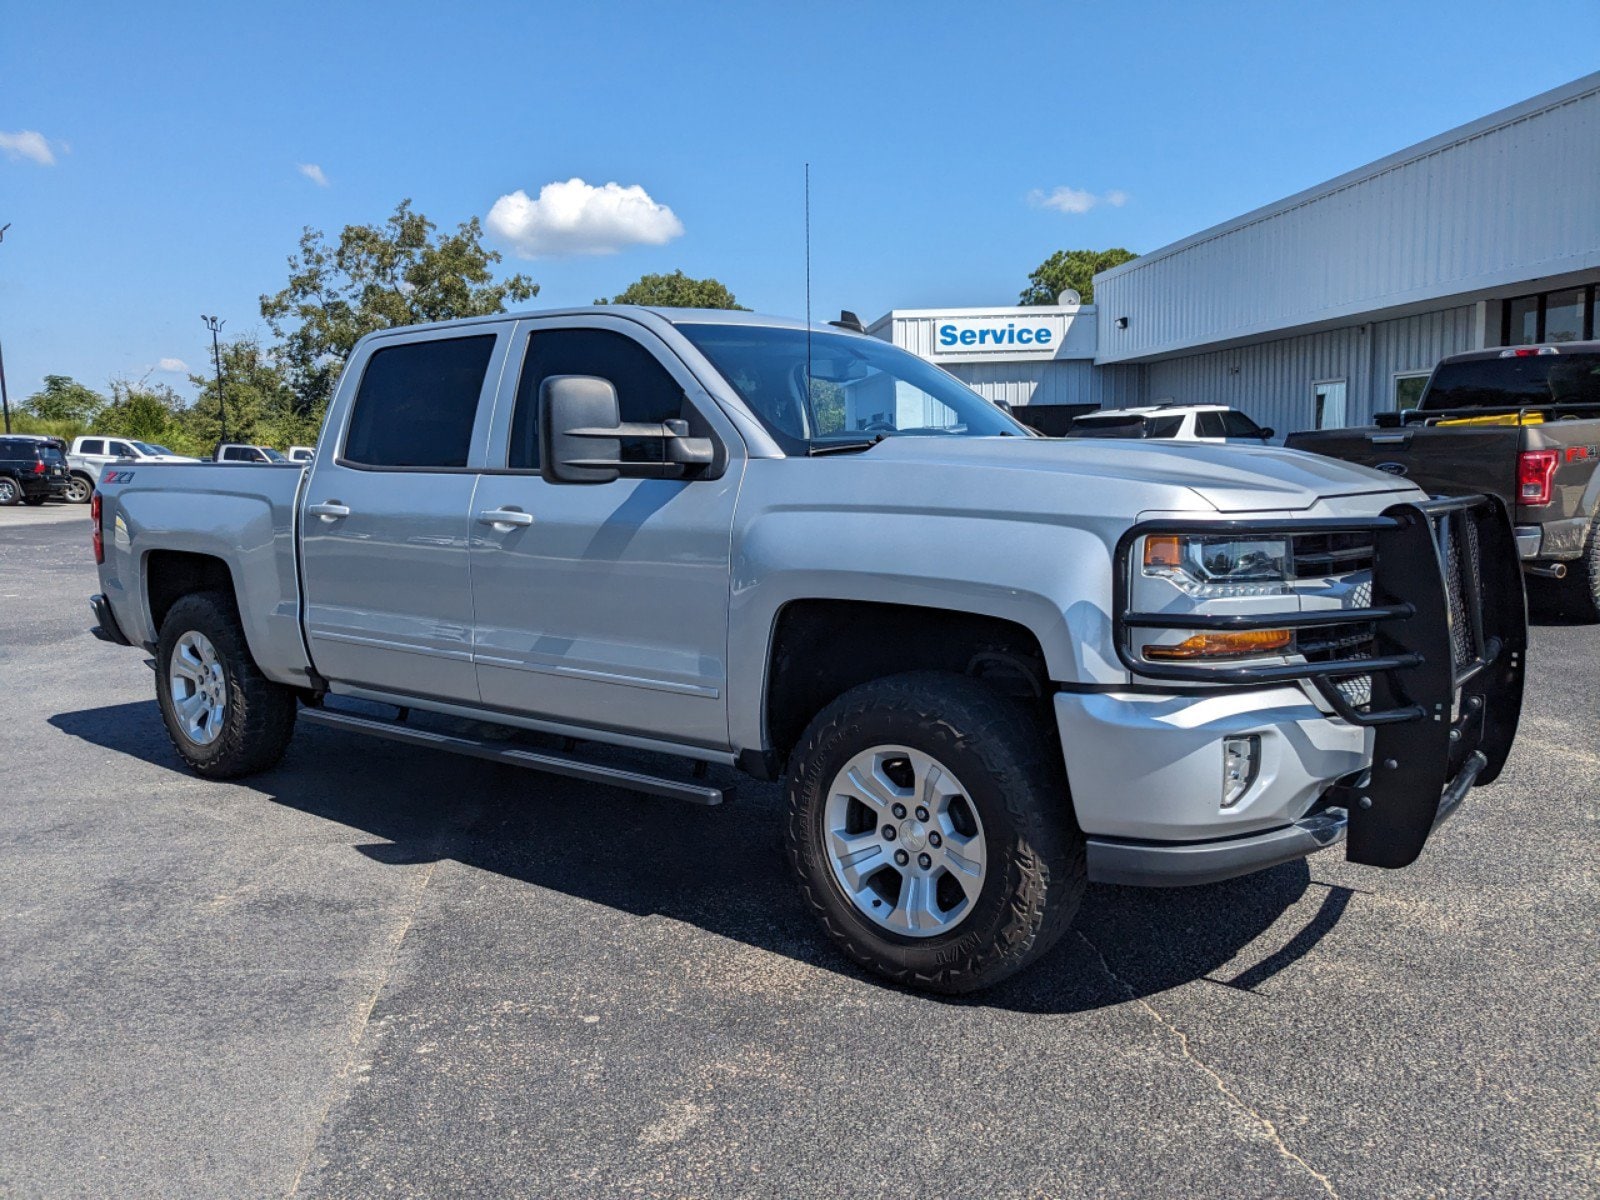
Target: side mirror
(581, 433)
(1268, 433)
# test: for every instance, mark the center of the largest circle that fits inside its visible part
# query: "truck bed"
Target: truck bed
(241, 514)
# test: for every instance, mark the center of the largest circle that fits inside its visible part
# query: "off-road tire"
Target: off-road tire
(1579, 592)
(1012, 773)
(10, 491)
(259, 716)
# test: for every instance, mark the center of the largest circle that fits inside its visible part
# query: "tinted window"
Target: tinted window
(1108, 427)
(239, 454)
(1510, 382)
(417, 404)
(645, 390)
(12, 449)
(1236, 424)
(1209, 425)
(93, 446)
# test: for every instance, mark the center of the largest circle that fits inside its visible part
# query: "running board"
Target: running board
(553, 762)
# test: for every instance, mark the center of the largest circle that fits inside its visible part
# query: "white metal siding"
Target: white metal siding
(1272, 381)
(1502, 200)
(1070, 382)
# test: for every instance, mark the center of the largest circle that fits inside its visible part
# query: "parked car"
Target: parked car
(302, 454)
(1521, 423)
(234, 452)
(1174, 422)
(32, 469)
(990, 666)
(93, 452)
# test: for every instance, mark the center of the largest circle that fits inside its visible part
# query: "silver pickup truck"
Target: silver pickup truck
(990, 666)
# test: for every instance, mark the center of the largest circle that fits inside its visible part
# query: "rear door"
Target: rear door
(385, 517)
(607, 604)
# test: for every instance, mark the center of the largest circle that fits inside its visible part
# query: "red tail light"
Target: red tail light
(38, 467)
(1535, 470)
(99, 538)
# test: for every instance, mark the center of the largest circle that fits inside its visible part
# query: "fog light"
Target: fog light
(1241, 760)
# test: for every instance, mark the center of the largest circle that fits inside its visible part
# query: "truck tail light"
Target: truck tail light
(1535, 470)
(1224, 645)
(99, 537)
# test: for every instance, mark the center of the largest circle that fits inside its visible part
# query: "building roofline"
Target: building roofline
(1557, 97)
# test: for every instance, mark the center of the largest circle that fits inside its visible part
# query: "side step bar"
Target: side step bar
(553, 762)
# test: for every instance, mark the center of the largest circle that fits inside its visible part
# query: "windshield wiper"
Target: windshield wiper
(844, 447)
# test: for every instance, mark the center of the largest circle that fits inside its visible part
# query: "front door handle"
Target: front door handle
(328, 511)
(505, 516)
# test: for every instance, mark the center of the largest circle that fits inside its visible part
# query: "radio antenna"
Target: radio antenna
(808, 291)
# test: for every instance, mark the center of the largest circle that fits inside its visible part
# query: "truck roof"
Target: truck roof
(1500, 351)
(674, 316)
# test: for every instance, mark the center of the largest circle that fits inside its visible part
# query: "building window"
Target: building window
(1328, 407)
(1408, 390)
(1565, 316)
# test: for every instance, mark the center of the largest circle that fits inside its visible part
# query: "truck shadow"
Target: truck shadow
(646, 856)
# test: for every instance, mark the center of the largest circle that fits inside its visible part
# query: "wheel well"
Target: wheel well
(170, 575)
(823, 648)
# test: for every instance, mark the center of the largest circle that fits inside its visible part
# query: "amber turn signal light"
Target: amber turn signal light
(1162, 552)
(1224, 645)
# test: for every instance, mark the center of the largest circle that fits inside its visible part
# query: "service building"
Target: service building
(1332, 304)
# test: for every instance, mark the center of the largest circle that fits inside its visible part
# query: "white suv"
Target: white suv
(1176, 422)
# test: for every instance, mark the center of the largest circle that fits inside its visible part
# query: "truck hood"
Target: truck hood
(1227, 478)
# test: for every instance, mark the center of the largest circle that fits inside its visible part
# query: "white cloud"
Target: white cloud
(578, 218)
(29, 144)
(312, 172)
(173, 366)
(1074, 201)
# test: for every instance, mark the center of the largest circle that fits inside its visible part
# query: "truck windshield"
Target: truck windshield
(1514, 382)
(272, 455)
(841, 391)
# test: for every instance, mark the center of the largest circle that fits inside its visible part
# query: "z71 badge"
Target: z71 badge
(117, 477)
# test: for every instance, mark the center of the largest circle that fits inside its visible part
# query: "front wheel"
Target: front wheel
(79, 489)
(225, 718)
(931, 830)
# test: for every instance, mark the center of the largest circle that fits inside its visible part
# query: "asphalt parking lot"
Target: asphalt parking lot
(377, 970)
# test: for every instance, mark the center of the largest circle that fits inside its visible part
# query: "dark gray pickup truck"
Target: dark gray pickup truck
(1522, 423)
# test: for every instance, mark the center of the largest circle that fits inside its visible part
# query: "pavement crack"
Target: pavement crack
(358, 1029)
(1268, 1127)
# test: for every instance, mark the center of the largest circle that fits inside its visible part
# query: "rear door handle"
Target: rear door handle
(328, 511)
(505, 516)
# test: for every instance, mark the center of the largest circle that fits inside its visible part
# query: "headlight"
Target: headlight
(1220, 566)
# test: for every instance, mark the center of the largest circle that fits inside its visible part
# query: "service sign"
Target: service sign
(997, 335)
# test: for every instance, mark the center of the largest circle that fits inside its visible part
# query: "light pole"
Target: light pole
(5, 401)
(215, 325)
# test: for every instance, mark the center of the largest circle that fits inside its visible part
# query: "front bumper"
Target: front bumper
(1444, 694)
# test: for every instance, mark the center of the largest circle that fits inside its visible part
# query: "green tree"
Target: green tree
(64, 399)
(376, 277)
(676, 291)
(261, 404)
(1073, 269)
(148, 412)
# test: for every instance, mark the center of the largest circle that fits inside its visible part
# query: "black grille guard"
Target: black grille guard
(1446, 669)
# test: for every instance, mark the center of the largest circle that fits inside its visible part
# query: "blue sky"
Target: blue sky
(938, 134)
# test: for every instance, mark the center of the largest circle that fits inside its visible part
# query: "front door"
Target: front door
(604, 605)
(388, 599)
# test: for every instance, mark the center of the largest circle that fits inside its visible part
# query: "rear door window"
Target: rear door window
(92, 446)
(1209, 425)
(417, 404)
(1237, 425)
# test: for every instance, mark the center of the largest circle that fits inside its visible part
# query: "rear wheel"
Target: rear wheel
(10, 492)
(930, 828)
(225, 718)
(79, 489)
(1579, 592)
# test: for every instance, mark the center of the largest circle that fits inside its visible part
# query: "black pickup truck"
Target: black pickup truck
(1522, 423)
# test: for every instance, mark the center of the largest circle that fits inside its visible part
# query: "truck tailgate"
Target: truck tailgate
(1442, 461)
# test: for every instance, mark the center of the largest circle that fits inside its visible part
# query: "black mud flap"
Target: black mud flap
(1455, 565)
